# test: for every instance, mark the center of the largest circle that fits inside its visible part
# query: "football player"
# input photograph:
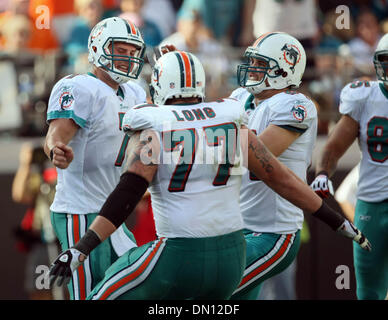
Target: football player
(86, 143)
(175, 149)
(364, 109)
(286, 122)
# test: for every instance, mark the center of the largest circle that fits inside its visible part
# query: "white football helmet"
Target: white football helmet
(381, 65)
(177, 74)
(285, 61)
(107, 32)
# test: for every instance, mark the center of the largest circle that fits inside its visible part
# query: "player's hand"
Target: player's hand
(167, 48)
(62, 155)
(348, 230)
(65, 264)
(322, 186)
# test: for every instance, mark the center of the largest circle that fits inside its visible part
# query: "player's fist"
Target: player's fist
(64, 265)
(348, 230)
(61, 155)
(322, 186)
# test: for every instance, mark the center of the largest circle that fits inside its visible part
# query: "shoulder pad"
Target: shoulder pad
(240, 94)
(357, 90)
(139, 118)
(353, 97)
(295, 110)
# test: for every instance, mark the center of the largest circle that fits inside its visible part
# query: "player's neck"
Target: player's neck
(104, 77)
(266, 94)
(183, 101)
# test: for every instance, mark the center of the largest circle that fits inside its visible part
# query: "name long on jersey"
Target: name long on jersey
(200, 165)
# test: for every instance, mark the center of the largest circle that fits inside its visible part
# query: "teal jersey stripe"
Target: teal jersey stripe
(292, 128)
(66, 114)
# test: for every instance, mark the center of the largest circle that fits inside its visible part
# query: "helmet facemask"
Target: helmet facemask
(108, 59)
(268, 68)
(380, 61)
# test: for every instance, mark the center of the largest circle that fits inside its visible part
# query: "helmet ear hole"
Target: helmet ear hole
(94, 49)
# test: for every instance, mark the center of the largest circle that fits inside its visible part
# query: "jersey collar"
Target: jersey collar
(250, 103)
(383, 90)
(119, 92)
(92, 75)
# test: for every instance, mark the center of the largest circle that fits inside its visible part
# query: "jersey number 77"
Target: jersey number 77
(215, 136)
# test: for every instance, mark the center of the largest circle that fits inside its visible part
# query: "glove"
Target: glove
(322, 186)
(348, 230)
(64, 266)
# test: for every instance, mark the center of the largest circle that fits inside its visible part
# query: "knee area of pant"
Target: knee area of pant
(369, 294)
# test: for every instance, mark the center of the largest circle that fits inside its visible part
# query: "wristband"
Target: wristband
(88, 242)
(329, 216)
(322, 172)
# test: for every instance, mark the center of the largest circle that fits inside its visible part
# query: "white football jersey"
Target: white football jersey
(99, 144)
(199, 196)
(263, 209)
(367, 103)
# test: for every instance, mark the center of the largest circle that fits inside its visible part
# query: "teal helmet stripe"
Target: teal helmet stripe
(193, 84)
(266, 37)
(182, 70)
(130, 27)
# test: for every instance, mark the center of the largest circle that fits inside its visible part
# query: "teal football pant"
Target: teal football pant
(267, 255)
(371, 268)
(69, 228)
(176, 268)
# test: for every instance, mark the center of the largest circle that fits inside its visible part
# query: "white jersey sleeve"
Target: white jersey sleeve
(293, 114)
(352, 99)
(70, 99)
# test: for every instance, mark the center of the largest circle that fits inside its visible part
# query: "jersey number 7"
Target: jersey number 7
(213, 135)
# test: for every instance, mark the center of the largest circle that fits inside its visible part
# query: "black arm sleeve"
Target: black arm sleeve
(329, 216)
(124, 198)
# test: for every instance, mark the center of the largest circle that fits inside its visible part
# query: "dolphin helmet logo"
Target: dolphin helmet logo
(291, 55)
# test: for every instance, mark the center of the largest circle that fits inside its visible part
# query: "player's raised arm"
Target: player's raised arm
(353, 98)
(141, 167)
(340, 139)
(279, 178)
